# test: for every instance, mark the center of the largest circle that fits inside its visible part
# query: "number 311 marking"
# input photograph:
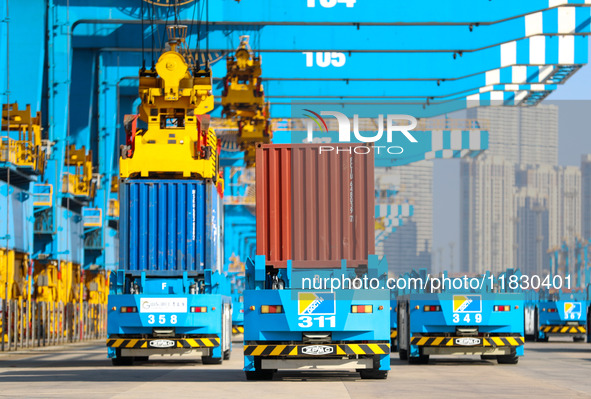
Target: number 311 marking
(331, 3)
(309, 321)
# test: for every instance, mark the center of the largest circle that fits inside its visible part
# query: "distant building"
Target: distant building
(561, 186)
(521, 135)
(516, 202)
(409, 247)
(487, 208)
(586, 196)
(531, 231)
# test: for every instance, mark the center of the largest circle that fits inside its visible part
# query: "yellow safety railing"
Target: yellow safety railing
(42, 194)
(113, 210)
(20, 139)
(92, 217)
(77, 179)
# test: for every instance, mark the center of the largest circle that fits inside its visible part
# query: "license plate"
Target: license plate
(161, 343)
(467, 341)
(316, 350)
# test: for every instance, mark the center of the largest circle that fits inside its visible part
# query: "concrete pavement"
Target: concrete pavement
(549, 370)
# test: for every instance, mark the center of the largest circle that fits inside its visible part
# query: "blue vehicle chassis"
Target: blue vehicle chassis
(440, 324)
(393, 321)
(315, 329)
(238, 315)
(168, 317)
(563, 317)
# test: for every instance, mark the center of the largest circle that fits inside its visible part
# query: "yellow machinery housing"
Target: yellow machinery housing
(243, 93)
(20, 143)
(243, 99)
(57, 284)
(77, 180)
(96, 284)
(14, 281)
(178, 141)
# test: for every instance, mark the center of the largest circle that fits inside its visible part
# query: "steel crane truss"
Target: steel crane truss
(178, 139)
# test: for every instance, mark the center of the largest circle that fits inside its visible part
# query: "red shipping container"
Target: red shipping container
(315, 207)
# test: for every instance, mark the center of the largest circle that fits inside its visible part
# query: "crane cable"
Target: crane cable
(190, 35)
(207, 35)
(151, 12)
(5, 305)
(143, 36)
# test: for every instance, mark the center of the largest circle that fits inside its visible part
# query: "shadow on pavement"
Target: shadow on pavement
(446, 361)
(577, 348)
(316, 376)
(103, 372)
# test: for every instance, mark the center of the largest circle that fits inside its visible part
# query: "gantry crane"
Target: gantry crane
(243, 99)
(177, 141)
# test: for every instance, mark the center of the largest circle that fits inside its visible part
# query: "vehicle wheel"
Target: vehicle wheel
(393, 346)
(227, 354)
(536, 326)
(259, 375)
(122, 361)
(403, 354)
(488, 357)
(373, 374)
(141, 358)
(578, 339)
(211, 360)
(421, 359)
(507, 359)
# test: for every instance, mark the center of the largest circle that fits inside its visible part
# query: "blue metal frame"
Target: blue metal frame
(444, 322)
(288, 327)
(562, 309)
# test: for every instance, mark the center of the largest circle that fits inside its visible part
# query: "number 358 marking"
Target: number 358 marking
(309, 321)
(466, 318)
(161, 319)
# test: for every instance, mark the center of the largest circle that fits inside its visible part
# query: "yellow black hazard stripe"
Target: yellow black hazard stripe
(451, 341)
(564, 329)
(238, 330)
(178, 343)
(393, 333)
(299, 350)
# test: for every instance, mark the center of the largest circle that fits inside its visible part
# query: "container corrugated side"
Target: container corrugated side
(169, 226)
(314, 207)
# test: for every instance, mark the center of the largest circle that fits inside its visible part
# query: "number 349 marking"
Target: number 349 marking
(161, 319)
(466, 318)
(309, 321)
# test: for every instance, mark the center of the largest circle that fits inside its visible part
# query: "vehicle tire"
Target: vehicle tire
(536, 326)
(507, 359)
(211, 360)
(578, 339)
(421, 359)
(259, 375)
(373, 374)
(402, 354)
(393, 346)
(488, 357)
(141, 358)
(122, 361)
(227, 354)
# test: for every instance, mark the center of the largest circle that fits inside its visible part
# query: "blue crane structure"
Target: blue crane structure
(422, 59)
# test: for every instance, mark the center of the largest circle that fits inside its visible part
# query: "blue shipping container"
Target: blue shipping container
(169, 226)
